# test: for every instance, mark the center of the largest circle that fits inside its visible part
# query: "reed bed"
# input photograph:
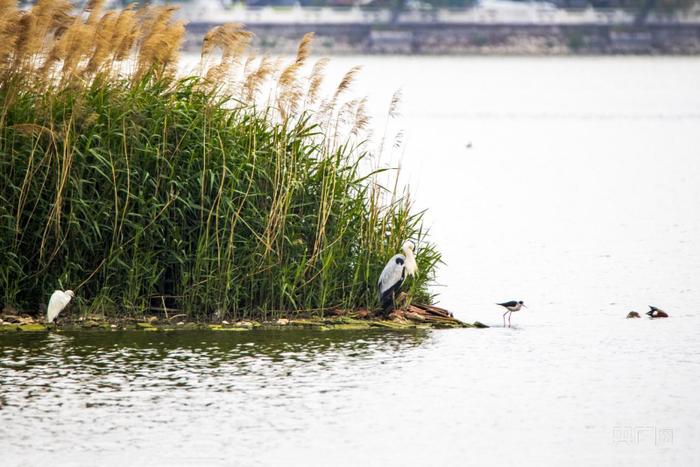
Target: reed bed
(234, 193)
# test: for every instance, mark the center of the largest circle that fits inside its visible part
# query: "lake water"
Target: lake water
(570, 183)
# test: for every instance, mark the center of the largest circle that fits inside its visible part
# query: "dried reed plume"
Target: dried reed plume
(316, 79)
(10, 29)
(346, 82)
(74, 45)
(103, 42)
(74, 48)
(125, 34)
(47, 18)
(232, 40)
(94, 7)
(50, 41)
(395, 102)
(304, 49)
(361, 117)
(160, 40)
(290, 91)
(255, 79)
(393, 112)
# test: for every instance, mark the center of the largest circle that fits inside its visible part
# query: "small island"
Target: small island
(416, 317)
(234, 195)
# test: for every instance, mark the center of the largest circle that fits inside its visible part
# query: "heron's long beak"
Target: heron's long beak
(524, 306)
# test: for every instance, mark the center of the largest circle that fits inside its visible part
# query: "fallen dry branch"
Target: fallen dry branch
(428, 314)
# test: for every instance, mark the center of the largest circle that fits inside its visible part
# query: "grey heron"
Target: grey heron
(510, 307)
(394, 273)
(58, 301)
(656, 312)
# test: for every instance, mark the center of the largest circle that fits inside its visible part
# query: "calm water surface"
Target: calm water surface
(580, 194)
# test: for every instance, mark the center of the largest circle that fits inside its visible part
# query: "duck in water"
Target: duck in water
(656, 312)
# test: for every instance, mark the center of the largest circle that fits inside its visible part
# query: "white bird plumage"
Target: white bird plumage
(58, 301)
(394, 273)
(411, 265)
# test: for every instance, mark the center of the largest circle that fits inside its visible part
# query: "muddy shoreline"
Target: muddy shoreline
(412, 317)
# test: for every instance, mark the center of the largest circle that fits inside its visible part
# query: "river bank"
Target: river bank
(412, 318)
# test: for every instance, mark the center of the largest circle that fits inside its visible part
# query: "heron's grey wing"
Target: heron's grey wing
(507, 304)
(392, 273)
(57, 302)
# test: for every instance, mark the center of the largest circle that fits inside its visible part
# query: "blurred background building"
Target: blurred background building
(455, 26)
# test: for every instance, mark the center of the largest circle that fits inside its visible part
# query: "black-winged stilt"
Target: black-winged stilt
(510, 307)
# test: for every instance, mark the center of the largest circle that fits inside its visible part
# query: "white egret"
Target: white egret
(394, 273)
(510, 307)
(58, 301)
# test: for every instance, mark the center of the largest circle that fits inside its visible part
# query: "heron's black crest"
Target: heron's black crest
(399, 261)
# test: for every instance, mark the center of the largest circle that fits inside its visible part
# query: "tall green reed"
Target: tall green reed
(146, 191)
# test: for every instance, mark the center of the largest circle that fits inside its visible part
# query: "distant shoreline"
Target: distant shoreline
(470, 38)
